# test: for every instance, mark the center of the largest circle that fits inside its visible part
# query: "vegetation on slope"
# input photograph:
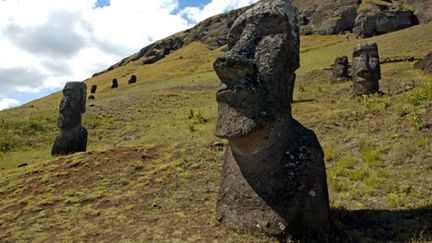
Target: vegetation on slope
(152, 172)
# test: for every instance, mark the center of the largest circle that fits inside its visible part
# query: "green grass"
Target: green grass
(151, 174)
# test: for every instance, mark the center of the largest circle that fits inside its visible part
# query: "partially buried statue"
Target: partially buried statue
(273, 177)
(366, 71)
(114, 84)
(340, 70)
(72, 137)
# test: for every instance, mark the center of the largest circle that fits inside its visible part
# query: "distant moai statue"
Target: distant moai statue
(340, 70)
(273, 176)
(72, 137)
(366, 70)
(132, 80)
(93, 89)
(114, 84)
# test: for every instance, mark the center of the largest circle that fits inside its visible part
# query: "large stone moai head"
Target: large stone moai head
(93, 89)
(132, 80)
(366, 71)
(340, 70)
(72, 137)
(273, 177)
(114, 84)
(72, 105)
(258, 71)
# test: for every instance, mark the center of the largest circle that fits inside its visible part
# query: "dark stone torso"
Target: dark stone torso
(70, 141)
(280, 189)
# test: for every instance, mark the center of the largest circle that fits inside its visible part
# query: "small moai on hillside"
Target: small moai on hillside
(273, 177)
(366, 70)
(72, 137)
(340, 70)
(114, 84)
(93, 89)
(132, 80)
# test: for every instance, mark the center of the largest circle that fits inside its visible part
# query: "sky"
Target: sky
(46, 43)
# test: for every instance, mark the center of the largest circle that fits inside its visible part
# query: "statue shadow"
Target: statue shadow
(370, 225)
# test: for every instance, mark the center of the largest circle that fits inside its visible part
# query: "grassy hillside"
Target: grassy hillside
(151, 173)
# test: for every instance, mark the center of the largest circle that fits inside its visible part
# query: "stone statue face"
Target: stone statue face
(342, 60)
(72, 105)
(257, 71)
(366, 65)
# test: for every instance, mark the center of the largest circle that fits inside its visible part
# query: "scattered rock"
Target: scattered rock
(425, 64)
(72, 137)
(398, 59)
(366, 70)
(273, 177)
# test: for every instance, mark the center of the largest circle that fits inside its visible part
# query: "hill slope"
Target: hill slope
(152, 172)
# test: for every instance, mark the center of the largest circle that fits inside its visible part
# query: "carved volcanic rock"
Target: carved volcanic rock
(425, 64)
(114, 84)
(366, 70)
(340, 70)
(273, 177)
(72, 137)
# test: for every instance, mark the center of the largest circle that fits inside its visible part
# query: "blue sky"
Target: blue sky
(46, 43)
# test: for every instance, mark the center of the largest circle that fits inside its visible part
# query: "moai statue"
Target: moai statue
(114, 84)
(340, 70)
(93, 89)
(132, 80)
(72, 137)
(366, 71)
(273, 176)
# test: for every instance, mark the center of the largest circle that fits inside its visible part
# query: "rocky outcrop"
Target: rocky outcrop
(380, 19)
(273, 177)
(425, 64)
(325, 17)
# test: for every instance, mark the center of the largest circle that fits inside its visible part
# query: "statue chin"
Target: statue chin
(67, 122)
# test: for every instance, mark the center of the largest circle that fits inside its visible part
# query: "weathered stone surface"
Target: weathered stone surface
(273, 177)
(114, 84)
(72, 137)
(132, 80)
(425, 64)
(366, 70)
(93, 89)
(91, 97)
(380, 19)
(340, 70)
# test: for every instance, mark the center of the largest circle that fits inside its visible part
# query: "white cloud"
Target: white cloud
(214, 7)
(45, 43)
(6, 103)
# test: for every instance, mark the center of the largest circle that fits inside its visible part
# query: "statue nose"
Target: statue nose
(231, 68)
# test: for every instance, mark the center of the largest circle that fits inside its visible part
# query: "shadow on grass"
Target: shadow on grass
(369, 225)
